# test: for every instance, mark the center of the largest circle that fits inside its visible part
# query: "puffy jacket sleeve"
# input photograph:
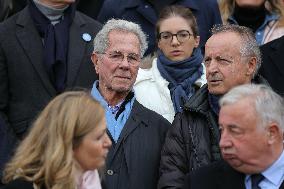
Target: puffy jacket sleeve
(173, 165)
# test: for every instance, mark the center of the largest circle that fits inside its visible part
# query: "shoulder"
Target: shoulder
(198, 100)
(272, 45)
(209, 176)
(148, 116)
(82, 19)
(19, 183)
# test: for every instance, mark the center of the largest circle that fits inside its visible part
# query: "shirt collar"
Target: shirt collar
(275, 172)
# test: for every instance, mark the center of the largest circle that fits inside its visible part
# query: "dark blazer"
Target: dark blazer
(272, 67)
(133, 161)
(142, 12)
(217, 175)
(19, 184)
(25, 87)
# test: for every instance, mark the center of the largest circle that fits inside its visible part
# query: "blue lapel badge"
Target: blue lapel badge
(87, 37)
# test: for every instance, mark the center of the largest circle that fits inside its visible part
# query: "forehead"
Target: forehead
(240, 113)
(227, 43)
(174, 23)
(123, 41)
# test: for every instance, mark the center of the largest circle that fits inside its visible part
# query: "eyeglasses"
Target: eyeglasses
(182, 36)
(118, 57)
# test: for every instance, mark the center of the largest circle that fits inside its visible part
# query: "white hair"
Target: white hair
(101, 41)
(268, 104)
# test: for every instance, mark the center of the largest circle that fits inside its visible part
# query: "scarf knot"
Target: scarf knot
(181, 76)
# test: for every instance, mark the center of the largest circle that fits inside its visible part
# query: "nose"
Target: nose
(212, 67)
(124, 62)
(107, 141)
(175, 40)
(225, 141)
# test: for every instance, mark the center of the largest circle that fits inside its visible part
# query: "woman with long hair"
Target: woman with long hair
(166, 81)
(264, 17)
(64, 148)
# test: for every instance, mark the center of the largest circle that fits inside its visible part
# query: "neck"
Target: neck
(53, 14)
(248, 16)
(52, 5)
(112, 97)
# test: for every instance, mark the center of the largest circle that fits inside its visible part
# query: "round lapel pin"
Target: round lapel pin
(87, 37)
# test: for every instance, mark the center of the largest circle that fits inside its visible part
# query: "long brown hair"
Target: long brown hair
(180, 11)
(45, 156)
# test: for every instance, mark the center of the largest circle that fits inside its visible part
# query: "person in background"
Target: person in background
(166, 81)
(145, 13)
(232, 57)
(264, 17)
(90, 7)
(64, 148)
(137, 133)
(251, 122)
(44, 49)
(272, 67)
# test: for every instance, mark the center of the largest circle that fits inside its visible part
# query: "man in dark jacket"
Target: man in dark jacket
(145, 13)
(232, 57)
(137, 133)
(251, 125)
(44, 49)
(272, 67)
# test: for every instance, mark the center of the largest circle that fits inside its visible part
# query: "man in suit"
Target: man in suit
(272, 67)
(137, 133)
(44, 50)
(145, 13)
(251, 122)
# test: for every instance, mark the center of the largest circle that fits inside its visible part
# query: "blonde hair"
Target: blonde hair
(45, 156)
(274, 6)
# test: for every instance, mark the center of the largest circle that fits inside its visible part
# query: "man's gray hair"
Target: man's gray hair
(101, 41)
(268, 104)
(249, 47)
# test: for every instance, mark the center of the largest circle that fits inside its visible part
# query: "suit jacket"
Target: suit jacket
(25, 87)
(133, 161)
(217, 175)
(272, 67)
(19, 184)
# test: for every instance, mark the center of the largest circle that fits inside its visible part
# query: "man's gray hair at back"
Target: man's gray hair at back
(101, 41)
(249, 47)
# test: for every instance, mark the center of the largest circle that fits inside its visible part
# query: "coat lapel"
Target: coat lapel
(231, 178)
(31, 43)
(77, 47)
(131, 124)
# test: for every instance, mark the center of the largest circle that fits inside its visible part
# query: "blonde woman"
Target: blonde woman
(264, 17)
(65, 147)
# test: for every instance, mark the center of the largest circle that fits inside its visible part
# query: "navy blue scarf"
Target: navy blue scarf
(214, 103)
(181, 76)
(56, 41)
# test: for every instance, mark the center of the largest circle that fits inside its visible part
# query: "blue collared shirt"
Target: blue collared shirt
(274, 175)
(115, 123)
(259, 33)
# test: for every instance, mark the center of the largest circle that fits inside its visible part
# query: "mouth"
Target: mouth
(176, 52)
(123, 77)
(228, 157)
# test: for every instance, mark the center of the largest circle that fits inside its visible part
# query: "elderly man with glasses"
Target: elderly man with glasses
(137, 133)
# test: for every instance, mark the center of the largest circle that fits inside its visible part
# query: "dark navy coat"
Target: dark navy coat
(140, 11)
